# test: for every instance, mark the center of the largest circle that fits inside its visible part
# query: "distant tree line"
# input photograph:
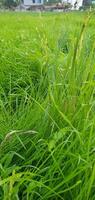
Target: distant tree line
(9, 3)
(87, 2)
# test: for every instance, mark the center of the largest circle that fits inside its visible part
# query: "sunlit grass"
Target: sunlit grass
(47, 106)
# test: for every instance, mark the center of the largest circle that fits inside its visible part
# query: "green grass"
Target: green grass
(47, 106)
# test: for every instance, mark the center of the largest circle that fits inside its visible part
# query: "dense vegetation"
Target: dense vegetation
(47, 106)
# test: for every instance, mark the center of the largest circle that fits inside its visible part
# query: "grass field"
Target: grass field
(47, 106)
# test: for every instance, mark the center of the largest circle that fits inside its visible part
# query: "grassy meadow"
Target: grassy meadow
(47, 106)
